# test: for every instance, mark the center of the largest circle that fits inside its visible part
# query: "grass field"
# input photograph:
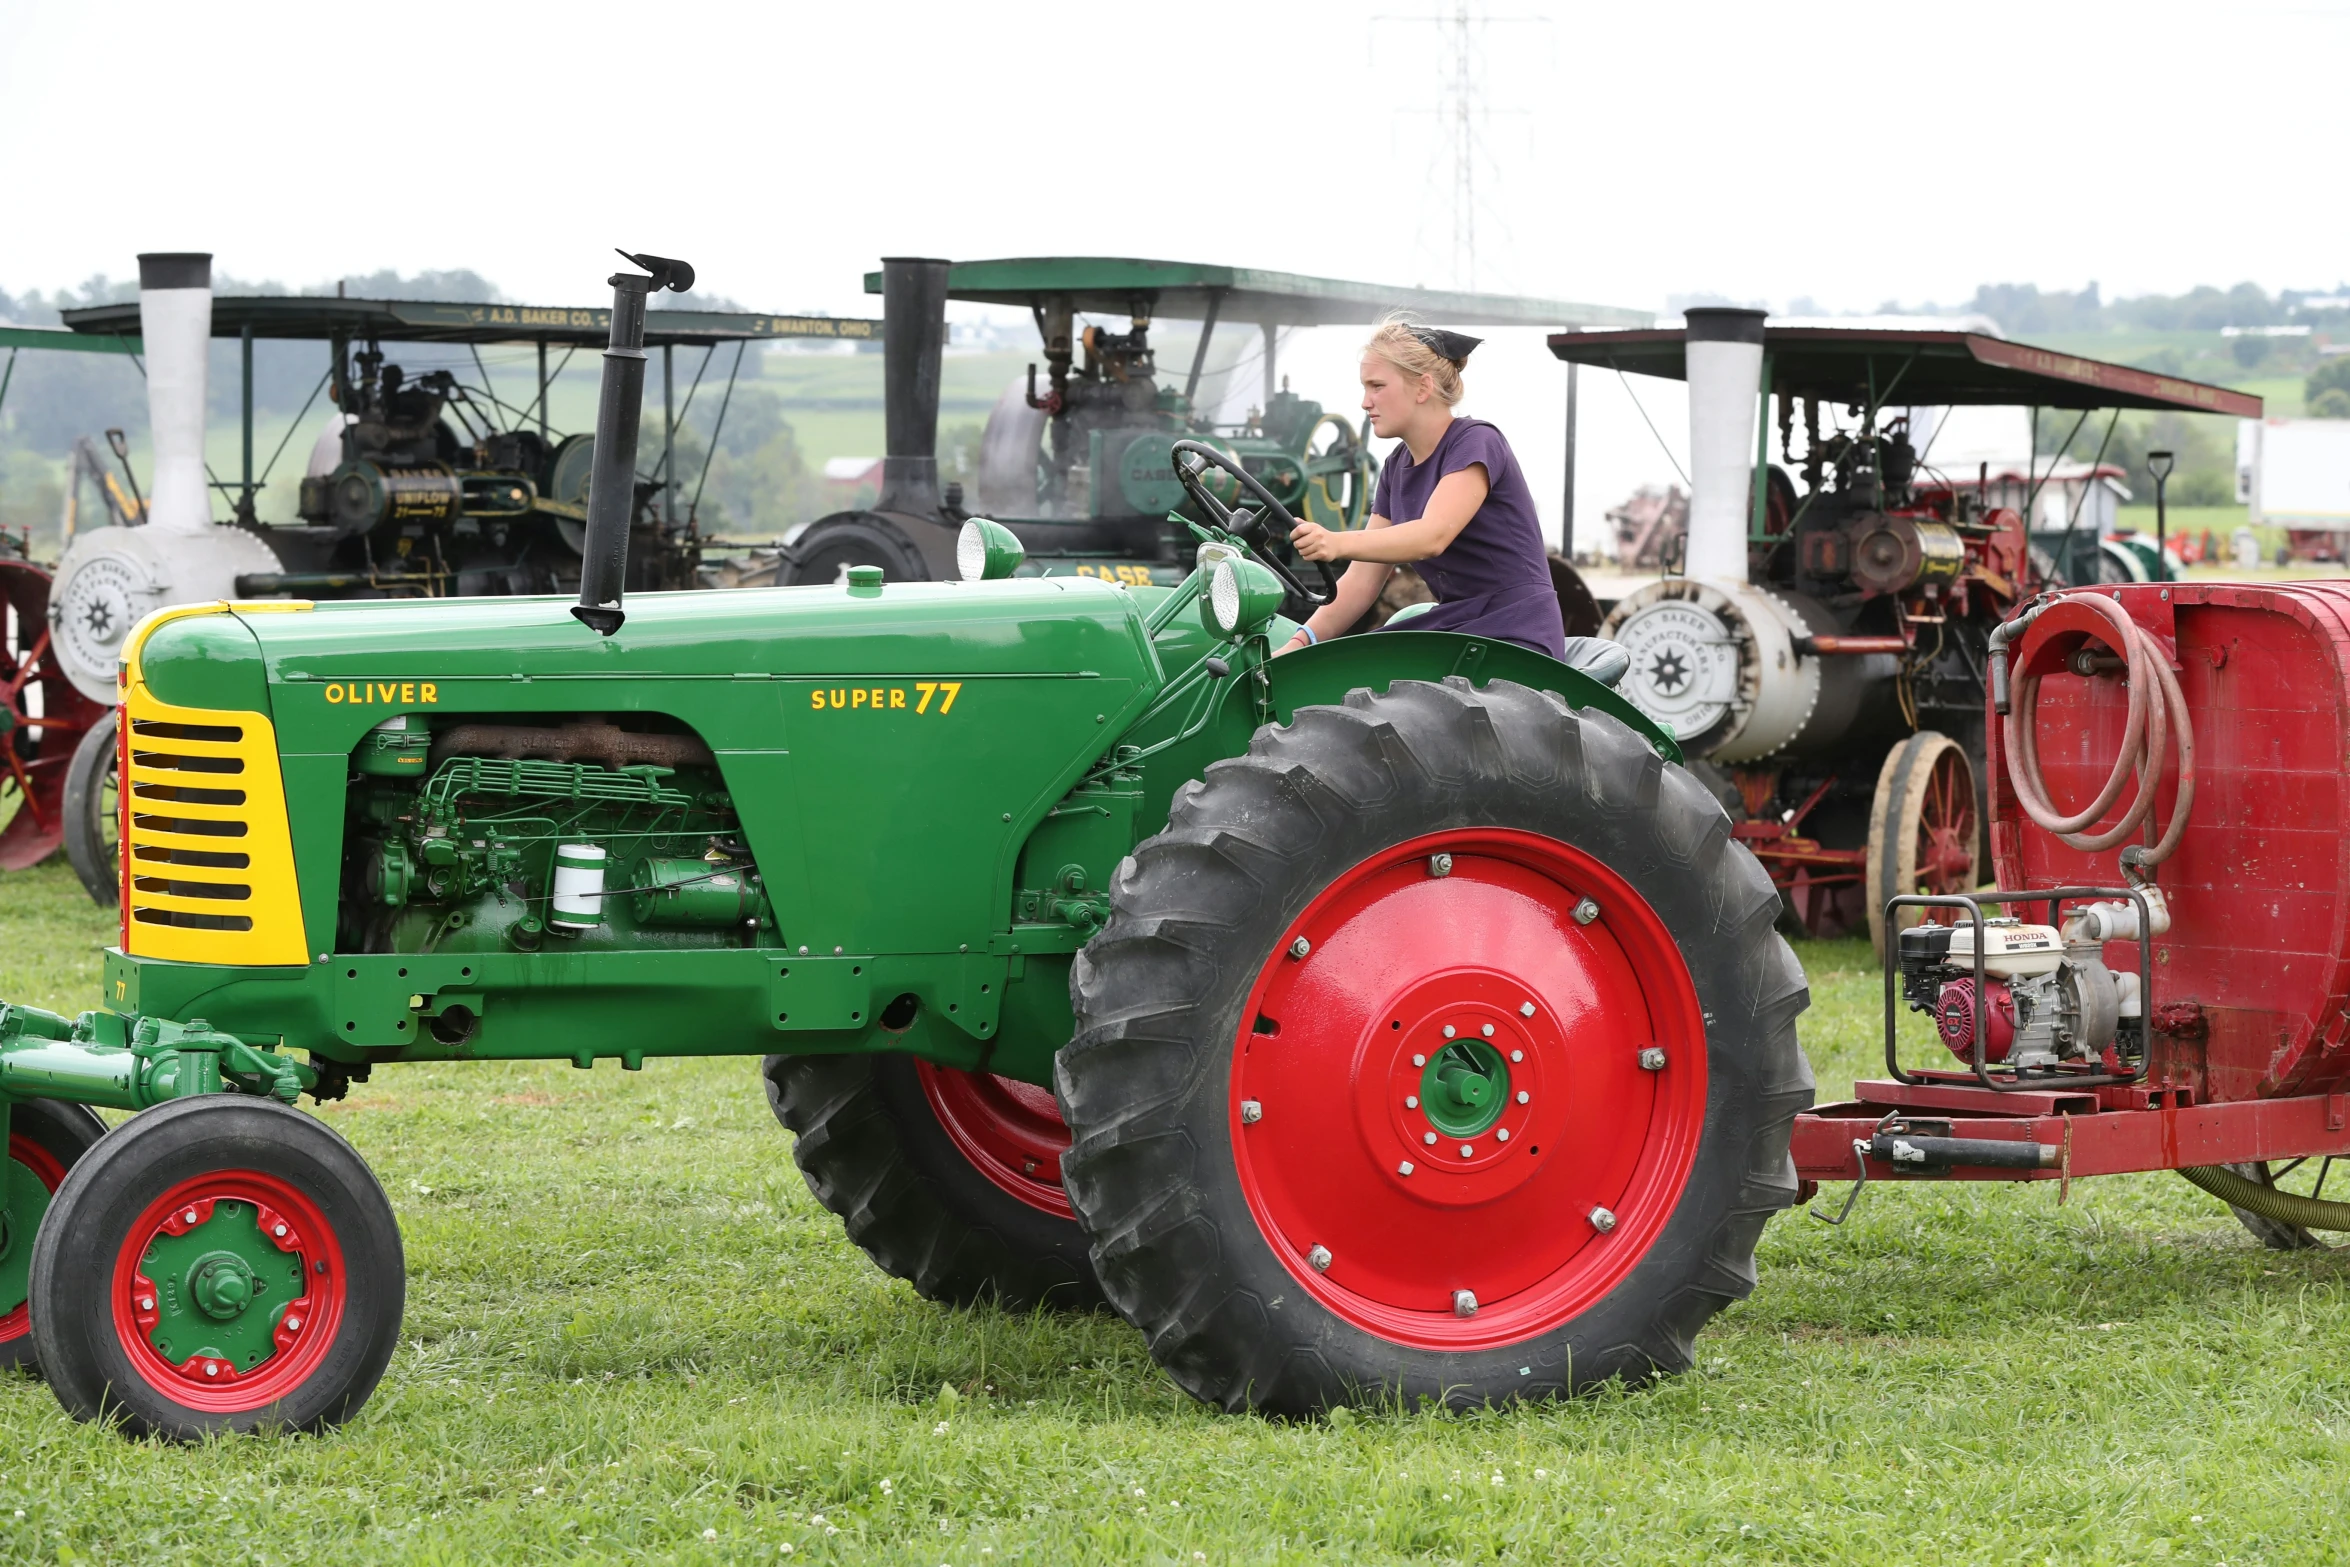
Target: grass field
(631, 1334)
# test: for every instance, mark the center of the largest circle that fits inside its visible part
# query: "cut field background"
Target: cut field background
(631, 1334)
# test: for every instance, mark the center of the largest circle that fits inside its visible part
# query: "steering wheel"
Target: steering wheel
(1190, 459)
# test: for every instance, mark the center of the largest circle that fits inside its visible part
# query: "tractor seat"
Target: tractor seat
(1602, 660)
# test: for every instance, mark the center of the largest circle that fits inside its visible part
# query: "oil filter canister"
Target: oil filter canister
(578, 903)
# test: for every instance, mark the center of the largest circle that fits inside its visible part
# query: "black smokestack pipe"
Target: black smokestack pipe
(914, 313)
(603, 565)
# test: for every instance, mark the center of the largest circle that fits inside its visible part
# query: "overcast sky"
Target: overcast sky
(1852, 153)
(1849, 153)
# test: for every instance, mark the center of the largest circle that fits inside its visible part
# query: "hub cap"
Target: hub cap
(1012, 1132)
(228, 1290)
(1450, 1083)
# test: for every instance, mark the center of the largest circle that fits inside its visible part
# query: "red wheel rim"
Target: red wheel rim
(1946, 827)
(49, 1170)
(1012, 1132)
(153, 1312)
(1326, 1058)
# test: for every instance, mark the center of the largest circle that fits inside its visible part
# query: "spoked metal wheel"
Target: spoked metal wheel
(2306, 1179)
(1922, 827)
(42, 718)
(1339, 474)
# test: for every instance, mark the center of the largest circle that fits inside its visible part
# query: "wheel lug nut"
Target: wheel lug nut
(1586, 912)
(1653, 1059)
(1489, 1031)
(1419, 1060)
(1523, 1096)
(1429, 1138)
(1526, 1009)
(1300, 947)
(1602, 1220)
(1464, 1303)
(1440, 865)
(1251, 1112)
(1468, 1150)
(1411, 1101)
(1448, 1031)
(1502, 1136)
(1517, 1055)
(1320, 1258)
(1404, 1168)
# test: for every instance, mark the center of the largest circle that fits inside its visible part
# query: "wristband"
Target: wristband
(1308, 633)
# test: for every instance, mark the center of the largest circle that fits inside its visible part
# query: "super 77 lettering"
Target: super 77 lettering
(887, 698)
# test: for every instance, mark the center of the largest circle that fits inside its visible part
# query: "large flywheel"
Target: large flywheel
(42, 718)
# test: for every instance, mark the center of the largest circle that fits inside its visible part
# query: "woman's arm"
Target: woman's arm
(1359, 588)
(1457, 497)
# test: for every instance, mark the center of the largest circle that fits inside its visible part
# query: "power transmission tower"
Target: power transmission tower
(1461, 111)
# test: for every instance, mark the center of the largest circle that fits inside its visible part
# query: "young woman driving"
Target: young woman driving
(1451, 503)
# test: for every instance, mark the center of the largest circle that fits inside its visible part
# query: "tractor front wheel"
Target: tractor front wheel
(1441, 1047)
(46, 1138)
(949, 1180)
(217, 1264)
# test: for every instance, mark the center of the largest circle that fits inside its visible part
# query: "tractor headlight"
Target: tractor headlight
(1242, 595)
(986, 551)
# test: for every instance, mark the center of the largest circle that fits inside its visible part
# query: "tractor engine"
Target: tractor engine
(2048, 997)
(576, 833)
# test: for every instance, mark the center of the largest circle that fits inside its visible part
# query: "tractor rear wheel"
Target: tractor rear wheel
(217, 1264)
(46, 1138)
(949, 1180)
(1442, 1047)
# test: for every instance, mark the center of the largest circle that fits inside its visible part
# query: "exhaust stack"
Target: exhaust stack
(1724, 357)
(914, 313)
(603, 564)
(175, 319)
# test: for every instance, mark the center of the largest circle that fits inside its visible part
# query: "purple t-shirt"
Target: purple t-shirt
(1493, 580)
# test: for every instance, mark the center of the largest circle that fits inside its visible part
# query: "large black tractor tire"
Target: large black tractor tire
(1250, 1159)
(218, 1264)
(46, 1138)
(91, 826)
(962, 1219)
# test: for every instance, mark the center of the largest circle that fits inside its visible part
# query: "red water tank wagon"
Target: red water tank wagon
(2251, 981)
(2248, 1026)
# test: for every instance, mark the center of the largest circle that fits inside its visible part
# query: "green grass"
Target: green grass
(631, 1334)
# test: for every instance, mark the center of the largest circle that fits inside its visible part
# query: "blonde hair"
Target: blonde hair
(1396, 342)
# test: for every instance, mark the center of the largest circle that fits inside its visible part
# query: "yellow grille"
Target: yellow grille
(208, 861)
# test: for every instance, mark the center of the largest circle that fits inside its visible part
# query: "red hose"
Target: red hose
(2152, 728)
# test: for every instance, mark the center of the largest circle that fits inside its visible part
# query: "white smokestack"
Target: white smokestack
(175, 319)
(1724, 350)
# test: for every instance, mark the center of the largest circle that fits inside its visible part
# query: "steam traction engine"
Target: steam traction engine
(1826, 652)
(1074, 459)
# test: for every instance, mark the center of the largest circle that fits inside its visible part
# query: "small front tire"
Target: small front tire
(218, 1264)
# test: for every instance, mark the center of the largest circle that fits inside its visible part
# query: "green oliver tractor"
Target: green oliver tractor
(1394, 1018)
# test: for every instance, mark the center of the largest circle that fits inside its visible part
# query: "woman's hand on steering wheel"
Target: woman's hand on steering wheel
(1311, 541)
(1253, 528)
